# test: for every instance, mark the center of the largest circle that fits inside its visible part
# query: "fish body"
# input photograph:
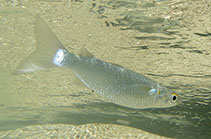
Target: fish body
(117, 84)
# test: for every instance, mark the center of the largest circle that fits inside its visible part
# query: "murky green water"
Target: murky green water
(166, 40)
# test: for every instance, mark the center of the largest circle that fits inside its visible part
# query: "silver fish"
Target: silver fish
(118, 84)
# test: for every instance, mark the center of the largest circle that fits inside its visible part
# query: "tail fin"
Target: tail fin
(47, 44)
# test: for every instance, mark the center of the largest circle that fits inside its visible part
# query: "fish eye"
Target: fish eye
(174, 97)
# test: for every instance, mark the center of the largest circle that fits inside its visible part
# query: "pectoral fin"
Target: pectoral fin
(141, 88)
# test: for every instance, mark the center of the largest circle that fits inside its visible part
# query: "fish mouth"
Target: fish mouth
(179, 101)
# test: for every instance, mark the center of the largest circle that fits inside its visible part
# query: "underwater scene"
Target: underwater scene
(105, 69)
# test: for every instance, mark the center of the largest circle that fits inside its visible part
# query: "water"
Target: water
(166, 40)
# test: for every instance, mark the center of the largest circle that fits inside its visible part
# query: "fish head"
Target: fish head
(152, 96)
(164, 98)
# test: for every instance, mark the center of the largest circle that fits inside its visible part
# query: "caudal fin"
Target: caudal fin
(47, 44)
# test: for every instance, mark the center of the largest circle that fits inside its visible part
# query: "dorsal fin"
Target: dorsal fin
(117, 65)
(85, 53)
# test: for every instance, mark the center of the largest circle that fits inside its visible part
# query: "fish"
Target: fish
(119, 85)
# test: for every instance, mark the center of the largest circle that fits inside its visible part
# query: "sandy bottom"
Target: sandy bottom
(89, 131)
